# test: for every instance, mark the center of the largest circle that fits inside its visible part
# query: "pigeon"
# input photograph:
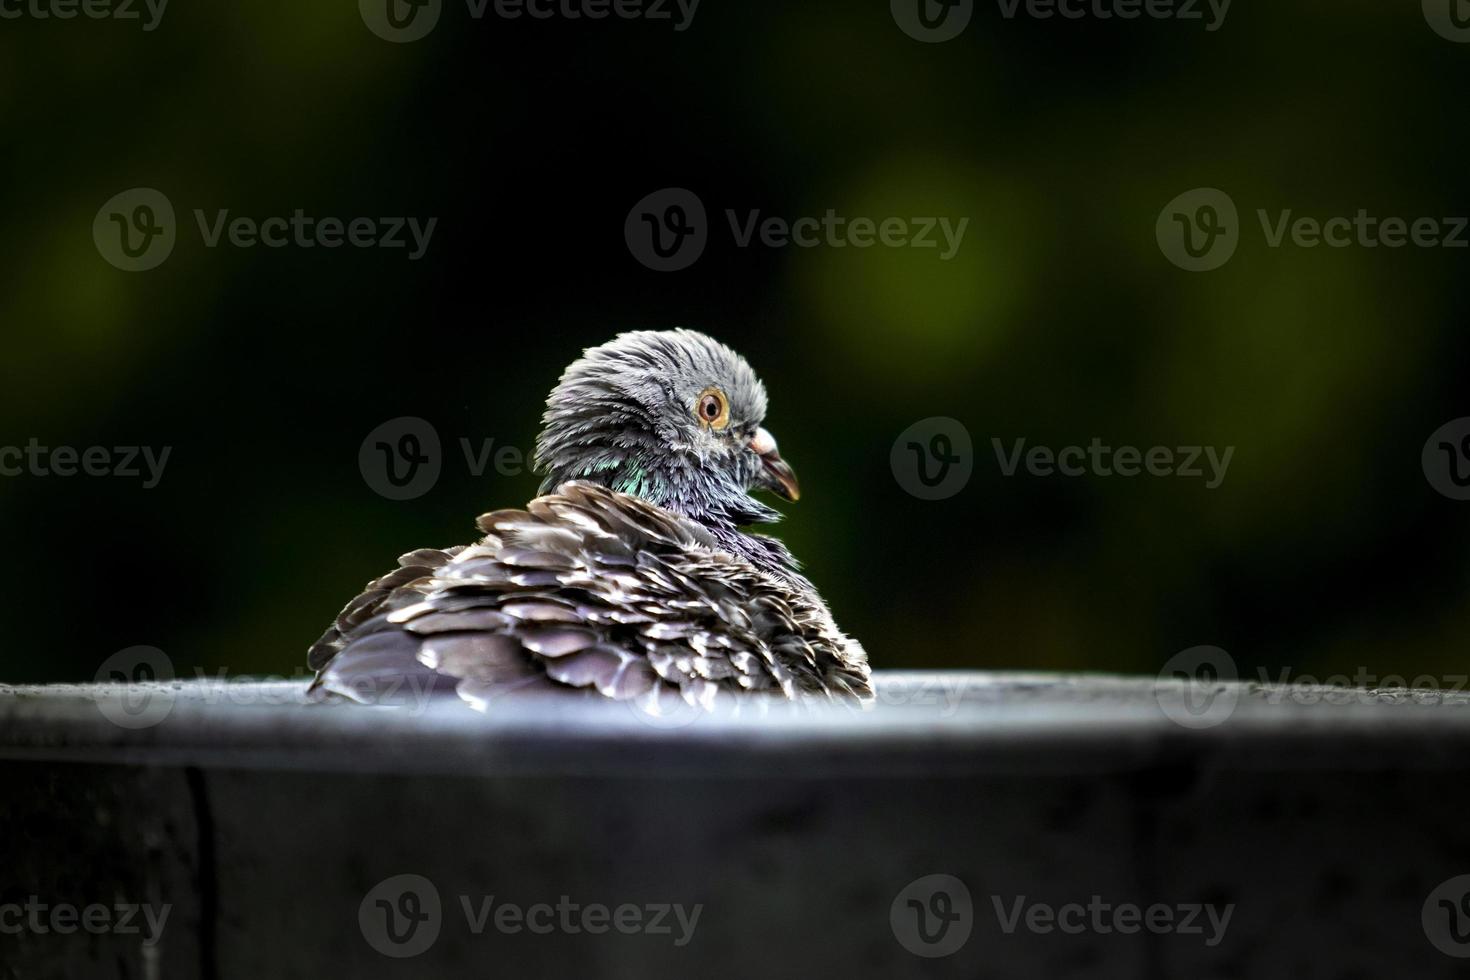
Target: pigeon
(632, 576)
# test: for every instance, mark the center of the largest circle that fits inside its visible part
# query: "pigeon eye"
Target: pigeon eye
(712, 408)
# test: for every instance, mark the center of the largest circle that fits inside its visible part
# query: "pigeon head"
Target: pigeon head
(670, 416)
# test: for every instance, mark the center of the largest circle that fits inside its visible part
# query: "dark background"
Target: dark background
(1326, 550)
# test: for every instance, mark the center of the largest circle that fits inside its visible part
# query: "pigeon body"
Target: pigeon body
(631, 576)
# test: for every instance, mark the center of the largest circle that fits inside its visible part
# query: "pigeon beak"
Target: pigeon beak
(778, 477)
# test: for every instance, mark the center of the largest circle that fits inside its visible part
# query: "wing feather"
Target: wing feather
(594, 590)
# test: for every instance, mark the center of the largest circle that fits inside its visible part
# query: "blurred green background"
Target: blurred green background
(1325, 550)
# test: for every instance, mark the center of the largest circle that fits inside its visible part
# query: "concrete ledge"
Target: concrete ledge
(921, 722)
(1330, 823)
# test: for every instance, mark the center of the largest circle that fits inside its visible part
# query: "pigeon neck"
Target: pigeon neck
(720, 507)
